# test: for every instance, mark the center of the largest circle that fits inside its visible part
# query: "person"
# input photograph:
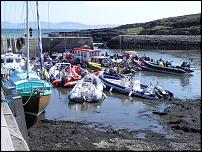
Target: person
(136, 57)
(94, 82)
(30, 32)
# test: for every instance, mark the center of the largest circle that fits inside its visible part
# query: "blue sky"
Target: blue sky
(99, 12)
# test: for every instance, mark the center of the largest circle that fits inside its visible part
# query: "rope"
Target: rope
(29, 98)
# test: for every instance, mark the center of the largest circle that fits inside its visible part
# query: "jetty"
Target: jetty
(49, 44)
(14, 136)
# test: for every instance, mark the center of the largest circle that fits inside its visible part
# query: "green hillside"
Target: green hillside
(181, 25)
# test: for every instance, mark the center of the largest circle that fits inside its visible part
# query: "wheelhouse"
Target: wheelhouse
(85, 54)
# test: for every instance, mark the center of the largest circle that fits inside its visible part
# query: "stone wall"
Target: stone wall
(162, 42)
(53, 44)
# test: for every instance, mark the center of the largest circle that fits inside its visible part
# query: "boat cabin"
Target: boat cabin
(85, 54)
(68, 53)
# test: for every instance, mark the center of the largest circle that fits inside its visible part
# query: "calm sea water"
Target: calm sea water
(20, 32)
(120, 111)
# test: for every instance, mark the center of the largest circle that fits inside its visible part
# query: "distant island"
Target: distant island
(50, 25)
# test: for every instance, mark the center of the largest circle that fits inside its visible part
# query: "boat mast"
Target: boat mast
(40, 41)
(27, 20)
(120, 39)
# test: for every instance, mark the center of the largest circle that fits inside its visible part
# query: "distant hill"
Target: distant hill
(61, 25)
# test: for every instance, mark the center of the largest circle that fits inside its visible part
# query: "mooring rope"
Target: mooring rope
(29, 97)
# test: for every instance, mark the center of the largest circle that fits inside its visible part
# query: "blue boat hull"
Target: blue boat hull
(124, 90)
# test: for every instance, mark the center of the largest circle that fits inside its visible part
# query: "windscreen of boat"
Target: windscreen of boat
(9, 60)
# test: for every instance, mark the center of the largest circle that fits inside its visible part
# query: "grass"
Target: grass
(133, 31)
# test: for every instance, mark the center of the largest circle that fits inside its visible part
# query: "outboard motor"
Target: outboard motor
(63, 80)
(168, 63)
(160, 92)
(185, 65)
(147, 58)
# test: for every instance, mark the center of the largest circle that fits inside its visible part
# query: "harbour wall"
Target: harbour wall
(161, 42)
(59, 44)
(49, 44)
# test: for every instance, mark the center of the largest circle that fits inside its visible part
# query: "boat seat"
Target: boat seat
(136, 86)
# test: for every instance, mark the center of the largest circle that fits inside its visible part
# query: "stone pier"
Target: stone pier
(49, 44)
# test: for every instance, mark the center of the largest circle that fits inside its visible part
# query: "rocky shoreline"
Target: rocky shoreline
(182, 118)
(161, 42)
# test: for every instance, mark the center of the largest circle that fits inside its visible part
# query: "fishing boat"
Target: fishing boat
(30, 85)
(85, 53)
(134, 88)
(88, 89)
(34, 91)
(162, 67)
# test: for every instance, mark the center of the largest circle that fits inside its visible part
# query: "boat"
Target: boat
(103, 60)
(30, 85)
(166, 67)
(88, 89)
(68, 53)
(62, 74)
(85, 54)
(11, 60)
(94, 66)
(58, 72)
(134, 88)
(74, 80)
(77, 73)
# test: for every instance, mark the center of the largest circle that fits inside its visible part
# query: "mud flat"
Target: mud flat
(182, 118)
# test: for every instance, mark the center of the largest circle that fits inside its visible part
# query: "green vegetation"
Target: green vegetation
(181, 25)
(133, 31)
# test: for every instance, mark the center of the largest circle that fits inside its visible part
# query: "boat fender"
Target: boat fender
(111, 89)
(84, 98)
(104, 95)
(130, 93)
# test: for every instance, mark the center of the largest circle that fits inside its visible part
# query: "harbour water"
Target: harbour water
(120, 111)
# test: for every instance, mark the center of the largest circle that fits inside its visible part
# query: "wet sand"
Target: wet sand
(182, 118)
